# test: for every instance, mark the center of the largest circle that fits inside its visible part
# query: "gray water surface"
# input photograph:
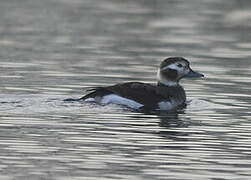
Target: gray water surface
(54, 49)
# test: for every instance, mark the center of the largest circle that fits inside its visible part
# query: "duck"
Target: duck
(166, 95)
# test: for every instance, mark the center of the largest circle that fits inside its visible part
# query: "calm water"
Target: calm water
(54, 49)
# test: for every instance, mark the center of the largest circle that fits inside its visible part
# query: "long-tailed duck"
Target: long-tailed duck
(166, 95)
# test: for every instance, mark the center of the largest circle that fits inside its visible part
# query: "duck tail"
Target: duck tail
(92, 93)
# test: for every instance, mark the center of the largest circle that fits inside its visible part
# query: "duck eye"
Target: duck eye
(179, 65)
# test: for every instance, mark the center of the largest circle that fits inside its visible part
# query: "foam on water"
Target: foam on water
(32, 104)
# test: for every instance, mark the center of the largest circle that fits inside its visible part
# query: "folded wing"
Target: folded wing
(143, 93)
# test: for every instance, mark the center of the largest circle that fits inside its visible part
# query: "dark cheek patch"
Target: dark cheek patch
(171, 74)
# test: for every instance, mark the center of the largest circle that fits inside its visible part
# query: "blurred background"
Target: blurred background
(55, 49)
(57, 46)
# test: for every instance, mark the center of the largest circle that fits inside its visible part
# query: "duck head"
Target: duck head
(173, 69)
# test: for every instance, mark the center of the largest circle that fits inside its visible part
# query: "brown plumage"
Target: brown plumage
(145, 94)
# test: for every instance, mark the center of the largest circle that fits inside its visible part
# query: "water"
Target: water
(55, 49)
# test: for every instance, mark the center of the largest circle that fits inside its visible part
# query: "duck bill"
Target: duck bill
(193, 74)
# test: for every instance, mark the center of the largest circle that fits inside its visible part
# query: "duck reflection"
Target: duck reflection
(170, 124)
(171, 120)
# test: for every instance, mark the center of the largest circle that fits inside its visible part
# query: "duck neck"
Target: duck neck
(163, 81)
(168, 83)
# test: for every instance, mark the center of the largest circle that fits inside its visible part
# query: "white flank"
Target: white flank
(115, 99)
(90, 100)
(165, 105)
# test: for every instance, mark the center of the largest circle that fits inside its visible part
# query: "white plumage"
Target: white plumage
(115, 99)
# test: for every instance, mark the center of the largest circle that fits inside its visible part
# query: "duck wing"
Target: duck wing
(146, 94)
